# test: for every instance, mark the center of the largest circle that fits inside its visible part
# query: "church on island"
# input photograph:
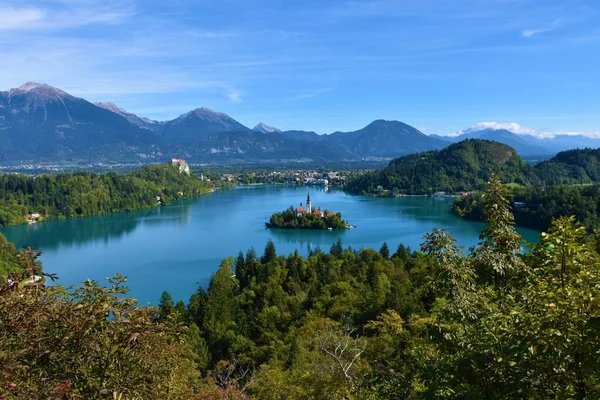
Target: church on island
(309, 210)
(307, 217)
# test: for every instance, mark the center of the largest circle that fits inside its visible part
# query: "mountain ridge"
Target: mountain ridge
(39, 122)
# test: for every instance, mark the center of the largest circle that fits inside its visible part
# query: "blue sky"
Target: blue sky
(438, 65)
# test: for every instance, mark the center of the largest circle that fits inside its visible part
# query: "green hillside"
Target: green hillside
(571, 167)
(84, 194)
(464, 166)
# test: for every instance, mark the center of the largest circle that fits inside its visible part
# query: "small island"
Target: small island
(307, 218)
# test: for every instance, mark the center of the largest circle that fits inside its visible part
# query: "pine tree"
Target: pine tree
(270, 253)
(385, 250)
(241, 272)
(336, 248)
(402, 253)
(165, 305)
(250, 256)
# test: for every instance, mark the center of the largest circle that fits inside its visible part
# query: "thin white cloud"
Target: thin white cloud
(552, 135)
(36, 18)
(310, 95)
(234, 96)
(532, 32)
(540, 133)
(20, 18)
(554, 25)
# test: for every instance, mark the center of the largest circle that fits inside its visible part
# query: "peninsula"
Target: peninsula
(307, 218)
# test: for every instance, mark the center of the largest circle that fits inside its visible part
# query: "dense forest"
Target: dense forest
(289, 219)
(571, 167)
(466, 166)
(84, 194)
(536, 207)
(493, 322)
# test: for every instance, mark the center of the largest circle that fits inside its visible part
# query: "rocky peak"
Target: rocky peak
(264, 128)
(40, 89)
(107, 105)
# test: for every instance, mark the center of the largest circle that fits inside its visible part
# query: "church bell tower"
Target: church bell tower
(308, 204)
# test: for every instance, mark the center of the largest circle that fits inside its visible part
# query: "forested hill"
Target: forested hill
(464, 166)
(571, 167)
(84, 194)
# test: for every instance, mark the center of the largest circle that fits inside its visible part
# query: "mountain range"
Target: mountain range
(41, 123)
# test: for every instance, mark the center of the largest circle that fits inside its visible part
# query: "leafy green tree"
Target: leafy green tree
(501, 245)
(89, 342)
(560, 320)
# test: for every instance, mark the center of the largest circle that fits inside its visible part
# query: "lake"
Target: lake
(177, 247)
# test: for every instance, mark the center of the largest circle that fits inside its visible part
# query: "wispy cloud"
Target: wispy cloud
(19, 18)
(558, 23)
(540, 133)
(36, 18)
(310, 95)
(234, 96)
(532, 32)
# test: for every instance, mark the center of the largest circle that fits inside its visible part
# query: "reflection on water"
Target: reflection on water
(52, 235)
(307, 239)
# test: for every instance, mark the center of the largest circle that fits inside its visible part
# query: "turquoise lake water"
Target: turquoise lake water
(178, 247)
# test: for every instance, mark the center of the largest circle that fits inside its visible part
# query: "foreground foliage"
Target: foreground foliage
(84, 194)
(492, 322)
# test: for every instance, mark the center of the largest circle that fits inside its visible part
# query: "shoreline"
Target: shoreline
(49, 219)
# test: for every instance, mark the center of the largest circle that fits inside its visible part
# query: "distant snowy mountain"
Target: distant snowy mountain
(264, 128)
(529, 145)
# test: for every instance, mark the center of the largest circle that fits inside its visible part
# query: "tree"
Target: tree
(560, 323)
(453, 276)
(61, 343)
(270, 254)
(241, 272)
(165, 305)
(336, 248)
(385, 251)
(500, 247)
(198, 346)
(250, 256)
(220, 309)
(402, 253)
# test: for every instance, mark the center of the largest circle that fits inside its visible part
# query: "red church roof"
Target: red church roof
(318, 212)
(300, 209)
